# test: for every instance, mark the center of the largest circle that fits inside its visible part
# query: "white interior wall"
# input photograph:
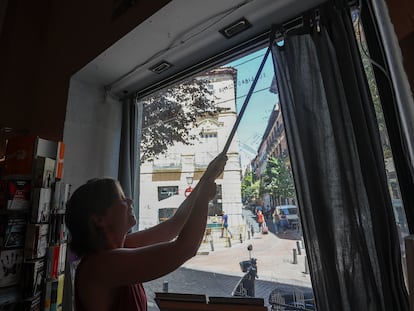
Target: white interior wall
(91, 134)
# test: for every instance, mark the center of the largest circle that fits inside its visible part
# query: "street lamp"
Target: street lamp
(189, 179)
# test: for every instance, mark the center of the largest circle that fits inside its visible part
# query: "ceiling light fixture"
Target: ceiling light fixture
(160, 67)
(235, 28)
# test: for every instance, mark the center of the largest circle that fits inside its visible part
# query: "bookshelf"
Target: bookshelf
(33, 235)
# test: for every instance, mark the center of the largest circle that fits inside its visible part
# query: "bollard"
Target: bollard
(248, 234)
(298, 247)
(241, 238)
(165, 287)
(306, 266)
(229, 241)
(295, 257)
(211, 245)
(252, 230)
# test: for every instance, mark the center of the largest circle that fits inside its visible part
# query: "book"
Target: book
(60, 154)
(41, 204)
(54, 294)
(58, 230)
(52, 270)
(32, 304)
(10, 267)
(14, 229)
(36, 241)
(43, 172)
(15, 194)
(62, 258)
(59, 297)
(60, 197)
(33, 277)
(19, 155)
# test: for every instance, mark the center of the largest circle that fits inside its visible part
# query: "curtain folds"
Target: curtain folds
(335, 150)
(128, 149)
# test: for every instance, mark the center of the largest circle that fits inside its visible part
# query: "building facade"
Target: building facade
(166, 181)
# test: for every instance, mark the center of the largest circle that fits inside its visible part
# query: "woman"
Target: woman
(114, 264)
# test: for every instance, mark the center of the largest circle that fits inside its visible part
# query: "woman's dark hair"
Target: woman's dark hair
(92, 198)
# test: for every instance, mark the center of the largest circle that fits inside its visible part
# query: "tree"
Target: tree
(249, 188)
(169, 115)
(278, 180)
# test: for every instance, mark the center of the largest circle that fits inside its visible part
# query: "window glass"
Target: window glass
(184, 128)
(393, 186)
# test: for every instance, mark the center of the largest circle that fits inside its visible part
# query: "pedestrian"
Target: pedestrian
(260, 220)
(284, 222)
(276, 221)
(114, 263)
(225, 225)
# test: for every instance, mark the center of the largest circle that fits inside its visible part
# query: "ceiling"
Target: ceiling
(183, 33)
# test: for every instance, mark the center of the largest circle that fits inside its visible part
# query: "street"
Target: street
(216, 273)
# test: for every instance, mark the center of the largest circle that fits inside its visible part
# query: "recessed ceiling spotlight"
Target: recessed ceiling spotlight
(160, 67)
(235, 28)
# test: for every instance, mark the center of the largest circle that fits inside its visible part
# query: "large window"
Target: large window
(260, 135)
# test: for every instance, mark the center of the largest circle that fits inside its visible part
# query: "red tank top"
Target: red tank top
(130, 297)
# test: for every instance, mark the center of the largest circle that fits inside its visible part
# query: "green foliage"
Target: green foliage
(277, 179)
(249, 188)
(169, 115)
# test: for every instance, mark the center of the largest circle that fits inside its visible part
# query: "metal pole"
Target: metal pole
(246, 100)
(298, 247)
(295, 257)
(306, 266)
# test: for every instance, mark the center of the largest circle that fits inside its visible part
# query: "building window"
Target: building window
(166, 192)
(166, 213)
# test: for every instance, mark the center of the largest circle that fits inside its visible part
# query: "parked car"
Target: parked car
(291, 212)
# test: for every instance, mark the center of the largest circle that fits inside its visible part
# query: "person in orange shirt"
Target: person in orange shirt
(260, 220)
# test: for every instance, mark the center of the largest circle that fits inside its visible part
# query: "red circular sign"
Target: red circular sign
(188, 191)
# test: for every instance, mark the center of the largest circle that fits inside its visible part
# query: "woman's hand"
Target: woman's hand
(215, 168)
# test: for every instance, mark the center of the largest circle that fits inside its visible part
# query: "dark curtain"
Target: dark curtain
(347, 216)
(128, 146)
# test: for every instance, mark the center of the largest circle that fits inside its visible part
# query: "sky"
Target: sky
(254, 120)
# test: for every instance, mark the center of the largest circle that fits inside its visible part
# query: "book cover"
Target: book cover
(41, 204)
(59, 160)
(16, 194)
(54, 295)
(45, 148)
(33, 304)
(47, 298)
(10, 267)
(62, 258)
(60, 197)
(36, 241)
(61, 283)
(55, 262)
(33, 276)
(14, 231)
(43, 172)
(19, 155)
